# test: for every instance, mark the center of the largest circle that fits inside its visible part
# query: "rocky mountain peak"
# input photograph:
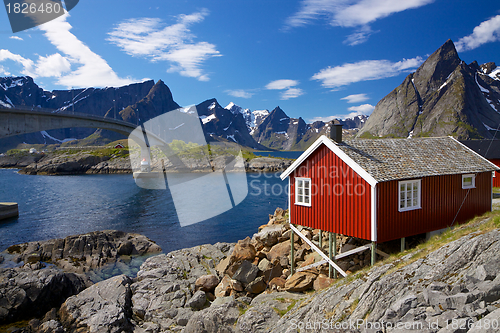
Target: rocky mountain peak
(445, 96)
(437, 68)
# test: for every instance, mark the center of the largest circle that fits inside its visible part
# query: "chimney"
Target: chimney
(336, 133)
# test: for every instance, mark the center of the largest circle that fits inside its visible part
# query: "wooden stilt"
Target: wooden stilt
(402, 244)
(292, 253)
(374, 246)
(334, 253)
(320, 239)
(330, 253)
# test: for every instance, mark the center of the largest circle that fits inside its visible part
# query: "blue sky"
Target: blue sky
(315, 59)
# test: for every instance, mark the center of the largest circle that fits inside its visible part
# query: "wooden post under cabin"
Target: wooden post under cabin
(320, 238)
(330, 254)
(402, 244)
(334, 253)
(374, 246)
(292, 254)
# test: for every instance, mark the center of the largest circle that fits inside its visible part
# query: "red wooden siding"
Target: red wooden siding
(345, 214)
(441, 197)
(496, 179)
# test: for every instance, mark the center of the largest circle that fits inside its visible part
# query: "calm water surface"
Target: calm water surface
(58, 206)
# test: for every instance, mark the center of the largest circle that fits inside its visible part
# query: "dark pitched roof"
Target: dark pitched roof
(392, 159)
(489, 149)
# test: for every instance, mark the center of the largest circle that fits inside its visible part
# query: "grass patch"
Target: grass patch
(281, 313)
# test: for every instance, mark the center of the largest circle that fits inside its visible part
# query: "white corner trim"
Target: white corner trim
(494, 166)
(337, 151)
(374, 213)
(302, 157)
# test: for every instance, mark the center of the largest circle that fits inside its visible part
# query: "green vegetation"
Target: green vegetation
(281, 313)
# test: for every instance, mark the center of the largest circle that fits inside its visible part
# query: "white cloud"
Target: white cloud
(359, 37)
(334, 77)
(52, 65)
(94, 71)
(281, 84)
(239, 93)
(486, 32)
(362, 109)
(288, 86)
(356, 98)
(351, 13)
(16, 37)
(147, 37)
(291, 93)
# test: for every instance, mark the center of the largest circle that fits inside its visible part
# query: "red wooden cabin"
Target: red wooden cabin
(489, 149)
(385, 189)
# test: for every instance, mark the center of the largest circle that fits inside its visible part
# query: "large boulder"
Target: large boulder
(279, 250)
(246, 273)
(300, 281)
(206, 282)
(269, 235)
(26, 293)
(243, 250)
(103, 307)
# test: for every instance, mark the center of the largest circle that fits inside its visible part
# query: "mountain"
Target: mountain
(278, 131)
(252, 118)
(444, 96)
(222, 124)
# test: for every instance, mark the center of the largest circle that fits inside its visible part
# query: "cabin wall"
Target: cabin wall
(340, 200)
(496, 179)
(441, 199)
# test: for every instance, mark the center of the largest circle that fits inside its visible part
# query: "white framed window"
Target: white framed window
(409, 195)
(469, 181)
(303, 191)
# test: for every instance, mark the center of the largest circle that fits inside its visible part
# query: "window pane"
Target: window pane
(408, 202)
(415, 186)
(467, 181)
(301, 192)
(306, 191)
(300, 198)
(415, 203)
(306, 183)
(306, 200)
(402, 187)
(299, 183)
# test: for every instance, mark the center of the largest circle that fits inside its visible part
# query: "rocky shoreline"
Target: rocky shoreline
(67, 163)
(247, 287)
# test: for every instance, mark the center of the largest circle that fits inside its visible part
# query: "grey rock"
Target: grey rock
(183, 316)
(246, 273)
(198, 300)
(51, 326)
(26, 293)
(257, 319)
(103, 307)
(268, 235)
(215, 319)
(488, 324)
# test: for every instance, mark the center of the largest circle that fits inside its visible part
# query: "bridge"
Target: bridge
(16, 121)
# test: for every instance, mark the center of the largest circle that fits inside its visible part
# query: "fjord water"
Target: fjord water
(59, 206)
